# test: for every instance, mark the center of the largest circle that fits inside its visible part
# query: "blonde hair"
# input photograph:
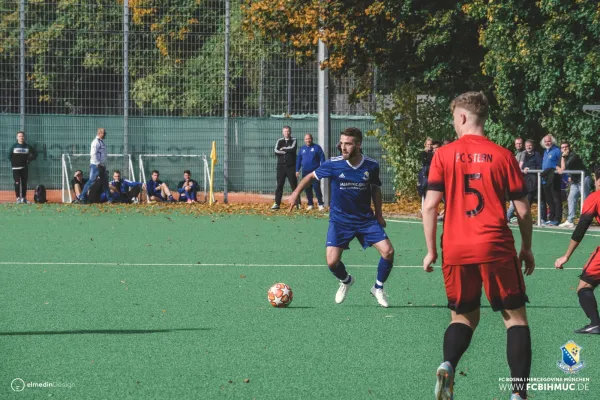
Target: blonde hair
(474, 102)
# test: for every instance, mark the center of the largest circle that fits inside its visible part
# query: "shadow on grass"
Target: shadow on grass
(489, 307)
(102, 332)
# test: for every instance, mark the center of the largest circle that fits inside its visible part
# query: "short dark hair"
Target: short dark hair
(155, 171)
(530, 141)
(565, 142)
(597, 172)
(287, 127)
(187, 171)
(436, 142)
(116, 171)
(353, 132)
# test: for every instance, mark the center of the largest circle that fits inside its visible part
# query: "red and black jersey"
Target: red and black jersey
(476, 175)
(591, 210)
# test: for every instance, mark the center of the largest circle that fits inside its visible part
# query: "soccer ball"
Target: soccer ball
(280, 295)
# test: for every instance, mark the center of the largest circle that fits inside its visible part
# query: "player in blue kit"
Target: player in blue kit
(354, 183)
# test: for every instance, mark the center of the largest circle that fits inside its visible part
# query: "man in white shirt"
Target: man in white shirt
(98, 155)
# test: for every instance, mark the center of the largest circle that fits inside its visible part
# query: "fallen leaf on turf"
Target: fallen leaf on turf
(229, 381)
(164, 310)
(246, 380)
(462, 373)
(242, 276)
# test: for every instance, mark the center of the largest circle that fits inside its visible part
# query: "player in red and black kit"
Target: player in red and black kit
(590, 276)
(475, 175)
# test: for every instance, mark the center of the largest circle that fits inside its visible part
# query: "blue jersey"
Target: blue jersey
(309, 158)
(350, 188)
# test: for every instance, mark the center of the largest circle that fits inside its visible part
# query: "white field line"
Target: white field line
(109, 264)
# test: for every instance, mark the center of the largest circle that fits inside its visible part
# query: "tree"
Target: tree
(405, 125)
(544, 58)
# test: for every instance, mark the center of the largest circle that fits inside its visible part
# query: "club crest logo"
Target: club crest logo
(571, 362)
(366, 176)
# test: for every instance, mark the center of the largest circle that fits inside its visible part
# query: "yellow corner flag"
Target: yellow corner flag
(213, 153)
(213, 162)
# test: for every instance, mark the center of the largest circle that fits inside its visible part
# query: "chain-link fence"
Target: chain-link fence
(154, 75)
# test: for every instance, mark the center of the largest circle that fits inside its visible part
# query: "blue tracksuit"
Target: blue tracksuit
(309, 159)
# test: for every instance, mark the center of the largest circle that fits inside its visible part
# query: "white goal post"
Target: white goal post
(73, 162)
(171, 167)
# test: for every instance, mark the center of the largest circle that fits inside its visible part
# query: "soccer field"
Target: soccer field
(133, 303)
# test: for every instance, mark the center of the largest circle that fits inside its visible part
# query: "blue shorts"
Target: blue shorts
(368, 233)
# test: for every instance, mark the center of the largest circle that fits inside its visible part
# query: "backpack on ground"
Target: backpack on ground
(40, 194)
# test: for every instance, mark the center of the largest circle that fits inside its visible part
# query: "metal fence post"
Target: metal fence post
(22, 65)
(539, 187)
(126, 83)
(289, 87)
(324, 120)
(226, 103)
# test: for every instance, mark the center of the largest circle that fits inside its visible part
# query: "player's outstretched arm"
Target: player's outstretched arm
(304, 183)
(526, 228)
(377, 203)
(576, 238)
(430, 210)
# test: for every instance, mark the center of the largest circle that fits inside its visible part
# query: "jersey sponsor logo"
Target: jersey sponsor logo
(353, 185)
(342, 175)
(20, 150)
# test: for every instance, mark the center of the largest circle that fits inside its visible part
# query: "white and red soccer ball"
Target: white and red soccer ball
(280, 295)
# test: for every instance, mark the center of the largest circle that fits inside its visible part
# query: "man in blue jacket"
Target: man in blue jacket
(125, 191)
(551, 190)
(310, 158)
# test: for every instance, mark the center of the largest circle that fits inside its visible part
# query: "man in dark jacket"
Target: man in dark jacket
(285, 149)
(20, 155)
(531, 160)
(572, 162)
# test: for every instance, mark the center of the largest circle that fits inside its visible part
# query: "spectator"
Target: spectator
(20, 155)
(520, 155)
(310, 157)
(98, 155)
(158, 190)
(96, 193)
(187, 188)
(78, 183)
(124, 190)
(551, 193)
(426, 156)
(570, 161)
(532, 160)
(435, 145)
(285, 149)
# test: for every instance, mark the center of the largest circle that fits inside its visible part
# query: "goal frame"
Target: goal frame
(68, 165)
(206, 172)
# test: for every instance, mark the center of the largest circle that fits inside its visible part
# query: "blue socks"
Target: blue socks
(383, 272)
(340, 272)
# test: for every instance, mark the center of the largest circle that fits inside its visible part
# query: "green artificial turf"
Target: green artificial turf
(128, 303)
